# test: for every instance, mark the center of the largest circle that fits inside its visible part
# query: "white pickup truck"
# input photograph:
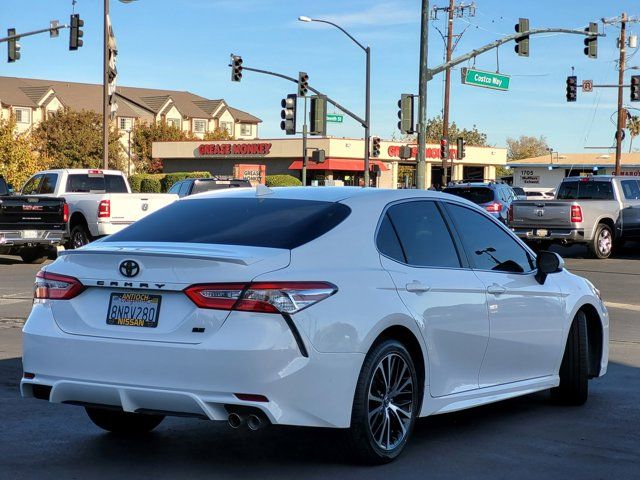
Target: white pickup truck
(100, 201)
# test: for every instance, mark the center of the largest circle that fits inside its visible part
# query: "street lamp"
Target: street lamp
(105, 84)
(367, 114)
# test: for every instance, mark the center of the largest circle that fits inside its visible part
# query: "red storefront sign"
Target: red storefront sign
(208, 149)
(394, 151)
(253, 173)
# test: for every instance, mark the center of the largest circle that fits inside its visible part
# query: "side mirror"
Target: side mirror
(548, 262)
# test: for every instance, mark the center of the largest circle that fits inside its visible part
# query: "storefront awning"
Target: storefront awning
(348, 164)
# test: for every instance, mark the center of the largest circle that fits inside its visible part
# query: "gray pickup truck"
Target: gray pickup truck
(601, 211)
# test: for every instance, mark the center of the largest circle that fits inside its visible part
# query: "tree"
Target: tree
(71, 139)
(142, 138)
(18, 161)
(473, 137)
(218, 134)
(633, 124)
(526, 147)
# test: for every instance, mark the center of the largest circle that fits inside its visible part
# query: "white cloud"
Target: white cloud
(382, 14)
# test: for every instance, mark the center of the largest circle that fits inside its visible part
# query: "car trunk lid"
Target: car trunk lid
(541, 213)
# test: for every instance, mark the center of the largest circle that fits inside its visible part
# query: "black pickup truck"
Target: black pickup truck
(32, 226)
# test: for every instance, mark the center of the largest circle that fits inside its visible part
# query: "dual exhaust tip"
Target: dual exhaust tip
(254, 421)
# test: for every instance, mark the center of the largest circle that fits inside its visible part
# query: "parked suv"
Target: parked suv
(191, 186)
(495, 198)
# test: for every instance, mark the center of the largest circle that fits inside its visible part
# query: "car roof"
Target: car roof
(590, 178)
(474, 184)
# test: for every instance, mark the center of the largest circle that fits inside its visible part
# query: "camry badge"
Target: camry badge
(129, 268)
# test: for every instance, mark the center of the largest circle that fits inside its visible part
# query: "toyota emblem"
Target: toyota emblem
(129, 268)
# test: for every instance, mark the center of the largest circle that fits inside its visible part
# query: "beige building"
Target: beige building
(344, 163)
(31, 100)
(547, 171)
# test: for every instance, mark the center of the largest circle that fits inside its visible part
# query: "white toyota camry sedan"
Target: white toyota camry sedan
(350, 308)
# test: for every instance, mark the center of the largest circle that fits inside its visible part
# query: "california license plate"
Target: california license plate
(134, 310)
(29, 234)
(542, 233)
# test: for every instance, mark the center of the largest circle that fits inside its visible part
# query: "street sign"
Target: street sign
(587, 86)
(480, 78)
(332, 117)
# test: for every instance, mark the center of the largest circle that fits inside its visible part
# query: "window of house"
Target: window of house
(228, 126)
(176, 122)
(23, 115)
(245, 129)
(125, 123)
(199, 126)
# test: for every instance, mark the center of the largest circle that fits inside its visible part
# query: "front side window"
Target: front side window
(32, 186)
(424, 237)
(631, 189)
(488, 246)
(48, 183)
(175, 188)
(184, 188)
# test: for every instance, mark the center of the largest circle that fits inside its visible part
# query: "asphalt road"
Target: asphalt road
(522, 438)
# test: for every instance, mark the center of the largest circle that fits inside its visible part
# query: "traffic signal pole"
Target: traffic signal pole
(620, 123)
(304, 144)
(423, 78)
(18, 36)
(105, 89)
(447, 89)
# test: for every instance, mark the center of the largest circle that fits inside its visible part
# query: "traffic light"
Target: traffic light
(236, 68)
(460, 151)
(375, 146)
(288, 114)
(112, 71)
(444, 148)
(522, 44)
(405, 152)
(13, 47)
(572, 88)
(591, 42)
(318, 156)
(318, 115)
(405, 114)
(635, 88)
(303, 84)
(75, 33)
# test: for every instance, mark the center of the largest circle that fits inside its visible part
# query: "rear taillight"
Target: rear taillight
(65, 212)
(510, 214)
(494, 207)
(104, 209)
(265, 297)
(576, 214)
(51, 286)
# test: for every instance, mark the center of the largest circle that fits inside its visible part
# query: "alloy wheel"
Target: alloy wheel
(604, 241)
(390, 401)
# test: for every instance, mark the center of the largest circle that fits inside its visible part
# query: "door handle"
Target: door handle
(417, 287)
(496, 289)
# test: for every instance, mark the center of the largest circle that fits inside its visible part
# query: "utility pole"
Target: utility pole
(304, 144)
(460, 11)
(620, 124)
(105, 89)
(422, 98)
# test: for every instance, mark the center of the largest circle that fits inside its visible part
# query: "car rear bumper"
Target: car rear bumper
(29, 238)
(109, 228)
(193, 379)
(569, 235)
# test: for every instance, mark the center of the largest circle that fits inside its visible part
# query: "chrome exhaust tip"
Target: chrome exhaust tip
(234, 420)
(254, 422)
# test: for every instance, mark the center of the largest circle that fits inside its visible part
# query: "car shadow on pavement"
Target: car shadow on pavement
(630, 251)
(523, 437)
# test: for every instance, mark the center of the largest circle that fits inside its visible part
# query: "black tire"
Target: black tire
(80, 236)
(361, 433)
(117, 421)
(574, 370)
(34, 255)
(601, 245)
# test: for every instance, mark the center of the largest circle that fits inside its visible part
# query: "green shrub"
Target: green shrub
(171, 178)
(283, 181)
(150, 185)
(135, 180)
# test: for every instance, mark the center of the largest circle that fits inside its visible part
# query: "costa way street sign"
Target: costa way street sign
(480, 78)
(332, 117)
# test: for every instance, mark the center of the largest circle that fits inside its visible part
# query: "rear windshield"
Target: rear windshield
(205, 186)
(82, 182)
(474, 194)
(519, 190)
(585, 190)
(255, 222)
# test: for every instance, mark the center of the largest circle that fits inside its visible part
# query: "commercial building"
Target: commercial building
(31, 100)
(547, 171)
(343, 165)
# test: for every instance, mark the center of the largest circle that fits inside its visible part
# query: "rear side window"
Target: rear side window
(631, 189)
(424, 236)
(184, 188)
(388, 242)
(256, 222)
(474, 194)
(585, 190)
(85, 183)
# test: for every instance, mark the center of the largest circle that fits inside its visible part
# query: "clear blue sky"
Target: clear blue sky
(185, 45)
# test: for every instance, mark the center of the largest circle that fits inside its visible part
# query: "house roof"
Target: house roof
(133, 101)
(577, 159)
